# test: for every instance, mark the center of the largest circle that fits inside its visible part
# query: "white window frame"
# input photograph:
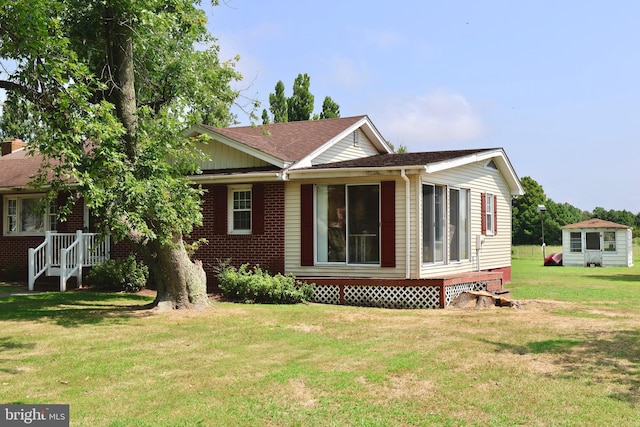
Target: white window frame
(232, 209)
(49, 217)
(575, 241)
(464, 235)
(609, 244)
(490, 220)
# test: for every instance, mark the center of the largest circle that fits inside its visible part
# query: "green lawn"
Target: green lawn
(569, 356)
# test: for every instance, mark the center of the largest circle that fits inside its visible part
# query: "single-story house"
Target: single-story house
(597, 242)
(327, 201)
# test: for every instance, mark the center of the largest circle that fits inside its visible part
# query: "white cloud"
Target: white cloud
(436, 117)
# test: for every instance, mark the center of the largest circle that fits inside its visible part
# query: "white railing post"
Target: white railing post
(63, 270)
(48, 251)
(79, 256)
(32, 268)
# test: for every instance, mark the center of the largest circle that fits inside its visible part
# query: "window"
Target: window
(609, 241)
(240, 212)
(433, 222)
(348, 224)
(459, 230)
(490, 212)
(575, 241)
(25, 215)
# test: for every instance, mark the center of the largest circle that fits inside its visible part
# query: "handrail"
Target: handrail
(38, 260)
(68, 253)
(71, 262)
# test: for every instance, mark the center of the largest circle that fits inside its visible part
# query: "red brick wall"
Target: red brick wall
(266, 249)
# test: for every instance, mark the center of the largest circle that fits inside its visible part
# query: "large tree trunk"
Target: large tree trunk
(181, 282)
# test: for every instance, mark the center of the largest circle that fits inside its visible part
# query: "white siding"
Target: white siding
(292, 235)
(221, 156)
(346, 150)
(622, 257)
(496, 249)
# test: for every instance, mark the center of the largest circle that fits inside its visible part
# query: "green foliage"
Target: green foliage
(66, 70)
(126, 275)
(300, 104)
(330, 109)
(254, 285)
(278, 104)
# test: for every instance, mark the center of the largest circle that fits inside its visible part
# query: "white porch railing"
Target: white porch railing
(65, 254)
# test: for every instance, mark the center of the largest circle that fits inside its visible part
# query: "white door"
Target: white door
(593, 249)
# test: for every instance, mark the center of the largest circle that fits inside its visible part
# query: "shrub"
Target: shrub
(254, 285)
(126, 275)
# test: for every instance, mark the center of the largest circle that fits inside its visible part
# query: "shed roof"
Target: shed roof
(594, 223)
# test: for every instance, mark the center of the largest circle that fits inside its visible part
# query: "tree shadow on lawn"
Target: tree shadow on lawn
(631, 278)
(73, 308)
(604, 356)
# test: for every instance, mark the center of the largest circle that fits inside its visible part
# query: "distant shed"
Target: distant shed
(597, 242)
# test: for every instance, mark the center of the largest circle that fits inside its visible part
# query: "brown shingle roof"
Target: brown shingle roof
(401, 159)
(290, 141)
(16, 168)
(594, 223)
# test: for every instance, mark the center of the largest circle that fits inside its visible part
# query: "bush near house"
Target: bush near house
(126, 275)
(254, 285)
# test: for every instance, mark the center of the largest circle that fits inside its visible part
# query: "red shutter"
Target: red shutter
(495, 214)
(306, 223)
(257, 209)
(388, 224)
(220, 209)
(483, 212)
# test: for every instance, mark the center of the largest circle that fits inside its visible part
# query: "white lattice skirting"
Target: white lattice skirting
(415, 297)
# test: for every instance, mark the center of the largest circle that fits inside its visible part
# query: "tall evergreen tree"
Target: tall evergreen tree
(330, 109)
(278, 104)
(300, 104)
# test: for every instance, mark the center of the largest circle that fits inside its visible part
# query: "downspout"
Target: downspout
(407, 185)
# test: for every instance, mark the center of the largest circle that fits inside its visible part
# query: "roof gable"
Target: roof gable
(432, 161)
(285, 144)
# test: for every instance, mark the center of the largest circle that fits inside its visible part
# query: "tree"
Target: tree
(278, 105)
(15, 122)
(527, 227)
(112, 85)
(300, 104)
(330, 109)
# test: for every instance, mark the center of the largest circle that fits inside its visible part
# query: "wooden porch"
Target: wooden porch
(66, 254)
(403, 293)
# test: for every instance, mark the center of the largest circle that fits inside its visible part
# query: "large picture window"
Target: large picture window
(28, 215)
(433, 223)
(348, 224)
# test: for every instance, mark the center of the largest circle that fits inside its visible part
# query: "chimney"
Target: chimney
(15, 144)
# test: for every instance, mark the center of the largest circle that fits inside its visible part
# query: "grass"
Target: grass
(569, 356)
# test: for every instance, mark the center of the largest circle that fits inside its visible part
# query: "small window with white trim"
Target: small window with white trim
(609, 241)
(489, 199)
(240, 210)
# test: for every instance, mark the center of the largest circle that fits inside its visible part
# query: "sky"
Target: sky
(554, 83)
